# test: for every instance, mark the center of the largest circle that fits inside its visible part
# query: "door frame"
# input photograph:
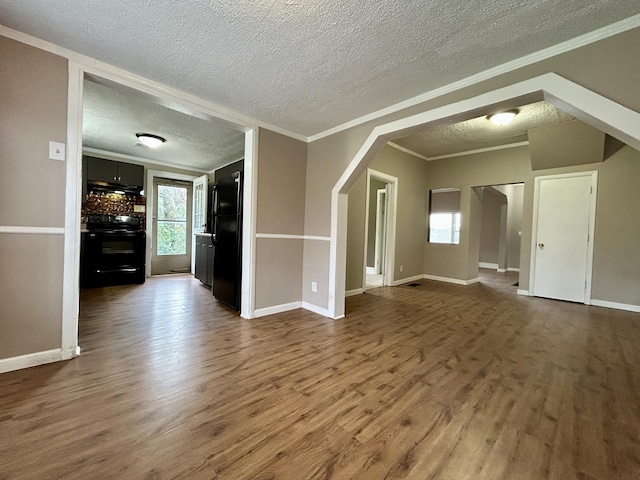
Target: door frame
(390, 234)
(78, 67)
(150, 191)
(593, 174)
(381, 230)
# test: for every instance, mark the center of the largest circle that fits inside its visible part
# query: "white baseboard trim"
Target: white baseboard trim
(285, 307)
(370, 270)
(492, 266)
(316, 309)
(31, 360)
(617, 306)
(524, 292)
(513, 269)
(407, 280)
(354, 292)
(501, 270)
(457, 281)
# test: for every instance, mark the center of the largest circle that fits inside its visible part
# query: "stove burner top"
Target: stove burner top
(108, 223)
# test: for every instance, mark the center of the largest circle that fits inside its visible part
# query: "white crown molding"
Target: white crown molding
(122, 156)
(480, 150)
(32, 230)
(458, 154)
(407, 150)
(91, 65)
(574, 43)
(135, 81)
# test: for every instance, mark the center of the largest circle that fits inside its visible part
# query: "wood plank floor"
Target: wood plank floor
(435, 381)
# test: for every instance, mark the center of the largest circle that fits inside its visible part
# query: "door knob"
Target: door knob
(541, 245)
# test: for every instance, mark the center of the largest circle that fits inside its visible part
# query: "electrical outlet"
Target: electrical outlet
(314, 286)
(401, 267)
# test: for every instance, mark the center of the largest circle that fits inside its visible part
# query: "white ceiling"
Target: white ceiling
(308, 66)
(479, 133)
(113, 114)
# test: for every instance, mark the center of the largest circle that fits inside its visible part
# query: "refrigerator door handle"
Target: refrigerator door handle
(214, 215)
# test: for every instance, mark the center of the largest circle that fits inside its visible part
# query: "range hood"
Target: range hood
(110, 187)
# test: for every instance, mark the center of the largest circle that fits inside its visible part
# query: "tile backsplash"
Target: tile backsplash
(104, 203)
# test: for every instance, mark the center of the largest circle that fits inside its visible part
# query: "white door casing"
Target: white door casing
(562, 236)
(389, 248)
(381, 230)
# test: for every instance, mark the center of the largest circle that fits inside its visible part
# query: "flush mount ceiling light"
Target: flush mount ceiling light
(150, 140)
(502, 118)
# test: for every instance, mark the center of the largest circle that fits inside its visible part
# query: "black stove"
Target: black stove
(113, 251)
(116, 223)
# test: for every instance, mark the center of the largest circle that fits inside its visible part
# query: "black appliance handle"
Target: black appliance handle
(214, 216)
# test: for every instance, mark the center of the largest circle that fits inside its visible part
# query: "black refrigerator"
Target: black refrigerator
(226, 234)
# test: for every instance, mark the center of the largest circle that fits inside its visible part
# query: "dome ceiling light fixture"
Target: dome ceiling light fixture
(150, 140)
(502, 118)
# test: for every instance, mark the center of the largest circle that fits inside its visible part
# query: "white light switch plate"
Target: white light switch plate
(56, 151)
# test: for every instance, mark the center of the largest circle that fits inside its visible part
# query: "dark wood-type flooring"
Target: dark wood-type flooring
(436, 381)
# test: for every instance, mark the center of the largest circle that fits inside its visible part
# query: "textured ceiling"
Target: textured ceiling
(113, 114)
(481, 133)
(310, 65)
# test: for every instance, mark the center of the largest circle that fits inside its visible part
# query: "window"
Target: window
(444, 216)
(444, 228)
(172, 220)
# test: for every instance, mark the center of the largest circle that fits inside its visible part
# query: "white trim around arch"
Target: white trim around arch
(586, 105)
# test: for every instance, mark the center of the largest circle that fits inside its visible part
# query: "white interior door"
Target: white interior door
(563, 232)
(200, 199)
(200, 204)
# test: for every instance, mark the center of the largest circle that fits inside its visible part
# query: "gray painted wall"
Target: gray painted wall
(33, 111)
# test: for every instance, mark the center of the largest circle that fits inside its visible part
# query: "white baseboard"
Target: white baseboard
(263, 312)
(316, 309)
(501, 270)
(31, 360)
(457, 281)
(370, 270)
(617, 306)
(513, 269)
(354, 292)
(524, 292)
(407, 280)
(492, 266)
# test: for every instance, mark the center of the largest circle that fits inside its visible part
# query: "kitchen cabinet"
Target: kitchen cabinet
(204, 259)
(101, 170)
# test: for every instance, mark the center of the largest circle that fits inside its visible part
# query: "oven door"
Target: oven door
(113, 258)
